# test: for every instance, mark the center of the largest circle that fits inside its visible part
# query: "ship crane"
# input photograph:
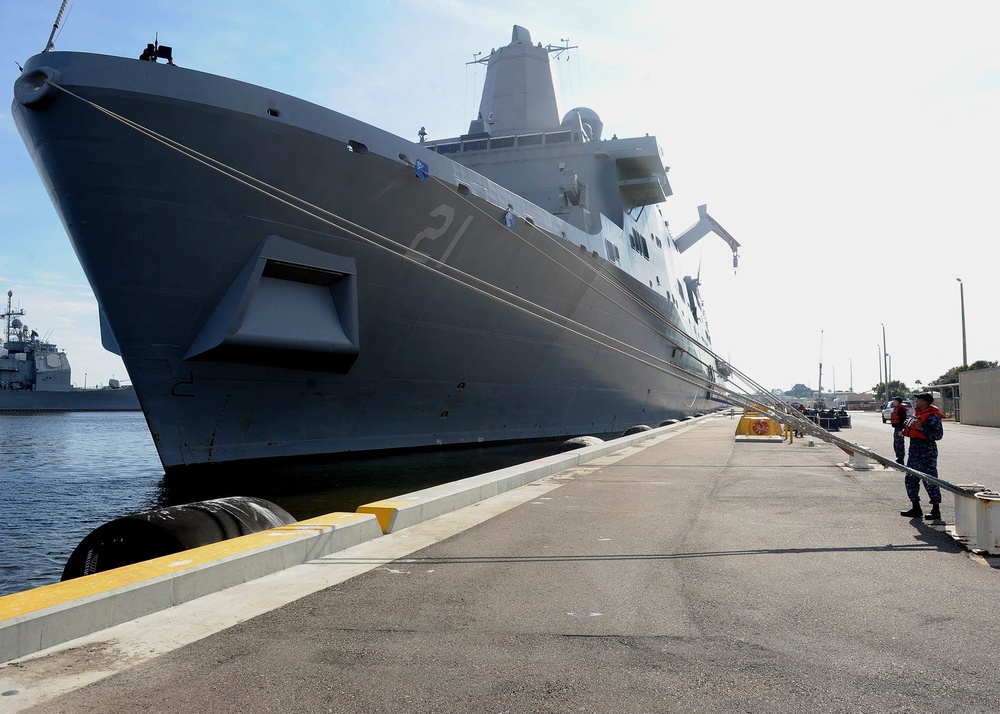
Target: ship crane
(705, 225)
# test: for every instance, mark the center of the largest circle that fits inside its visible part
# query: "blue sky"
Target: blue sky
(851, 148)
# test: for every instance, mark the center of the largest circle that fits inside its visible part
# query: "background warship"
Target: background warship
(282, 280)
(35, 375)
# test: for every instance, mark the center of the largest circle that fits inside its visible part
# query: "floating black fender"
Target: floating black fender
(151, 534)
(578, 442)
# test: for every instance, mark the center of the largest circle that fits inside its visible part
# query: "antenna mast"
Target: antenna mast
(8, 317)
(55, 26)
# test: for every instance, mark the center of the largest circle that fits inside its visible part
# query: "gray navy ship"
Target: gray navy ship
(282, 280)
(35, 375)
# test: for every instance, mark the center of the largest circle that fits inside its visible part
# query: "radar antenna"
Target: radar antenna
(556, 50)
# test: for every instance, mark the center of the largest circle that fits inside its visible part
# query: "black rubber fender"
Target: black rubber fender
(636, 429)
(578, 442)
(163, 531)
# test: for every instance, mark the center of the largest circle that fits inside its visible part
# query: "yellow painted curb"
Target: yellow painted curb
(46, 596)
(385, 510)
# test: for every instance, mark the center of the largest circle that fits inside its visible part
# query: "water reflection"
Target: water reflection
(64, 474)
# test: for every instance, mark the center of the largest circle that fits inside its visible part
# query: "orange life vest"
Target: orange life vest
(899, 414)
(914, 430)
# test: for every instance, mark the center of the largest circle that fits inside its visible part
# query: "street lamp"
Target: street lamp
(885, 358)
(880, 363)
(961, 292)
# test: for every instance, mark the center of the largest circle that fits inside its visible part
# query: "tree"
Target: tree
(896, 389)
(951, 376)
(800, 391)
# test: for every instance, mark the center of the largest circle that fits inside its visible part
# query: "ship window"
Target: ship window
(448, 148)
(638, 243)
(357, 147)
(530, 140)
(272, 112)
(658, 243)
(612, 250)
(560, 137)
(477, 145)
(504, 143)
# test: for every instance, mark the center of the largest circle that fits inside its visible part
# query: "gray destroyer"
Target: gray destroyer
(282, 280)
(35, 375)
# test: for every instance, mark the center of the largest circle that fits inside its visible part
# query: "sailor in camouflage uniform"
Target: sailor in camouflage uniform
(924, 429)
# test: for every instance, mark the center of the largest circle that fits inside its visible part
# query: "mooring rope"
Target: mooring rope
(402, 251)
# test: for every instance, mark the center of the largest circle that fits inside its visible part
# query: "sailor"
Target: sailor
(898, 421)
(924, 430)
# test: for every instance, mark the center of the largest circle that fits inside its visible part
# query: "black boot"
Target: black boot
(935, 514)
(914, 512)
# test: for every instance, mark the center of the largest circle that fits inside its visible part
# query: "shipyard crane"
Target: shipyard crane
(705, 225)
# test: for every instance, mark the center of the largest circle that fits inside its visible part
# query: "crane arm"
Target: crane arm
(705, 225)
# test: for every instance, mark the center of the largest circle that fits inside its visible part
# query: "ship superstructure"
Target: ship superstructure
(28, 363)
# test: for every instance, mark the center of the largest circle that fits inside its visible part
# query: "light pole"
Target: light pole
(885, 358)
(880, 364)
(961, 293)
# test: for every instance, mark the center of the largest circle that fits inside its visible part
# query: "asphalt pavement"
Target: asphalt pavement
(688, 574)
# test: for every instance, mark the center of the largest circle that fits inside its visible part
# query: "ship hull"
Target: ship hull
(254, 329)
(78, 400)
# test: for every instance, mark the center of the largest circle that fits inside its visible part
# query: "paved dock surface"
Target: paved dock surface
(690, 574)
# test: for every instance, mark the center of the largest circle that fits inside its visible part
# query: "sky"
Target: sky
(850, 147)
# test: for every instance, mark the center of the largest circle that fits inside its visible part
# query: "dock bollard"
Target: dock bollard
(965, 513)
(988, 522)
(860, 462)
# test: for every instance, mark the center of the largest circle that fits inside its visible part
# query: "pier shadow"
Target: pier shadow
(936, 534)
(625, 557)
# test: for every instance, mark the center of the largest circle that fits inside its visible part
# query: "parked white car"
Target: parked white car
(887, 409)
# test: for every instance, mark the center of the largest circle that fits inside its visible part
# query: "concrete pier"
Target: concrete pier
(685, 572)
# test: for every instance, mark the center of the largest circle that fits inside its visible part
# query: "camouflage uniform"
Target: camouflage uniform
(923, 457)
(898, 445)
(899, 416)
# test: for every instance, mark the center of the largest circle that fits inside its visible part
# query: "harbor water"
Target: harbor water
(64, 474)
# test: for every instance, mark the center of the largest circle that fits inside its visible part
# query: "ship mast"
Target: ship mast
(8, 317)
